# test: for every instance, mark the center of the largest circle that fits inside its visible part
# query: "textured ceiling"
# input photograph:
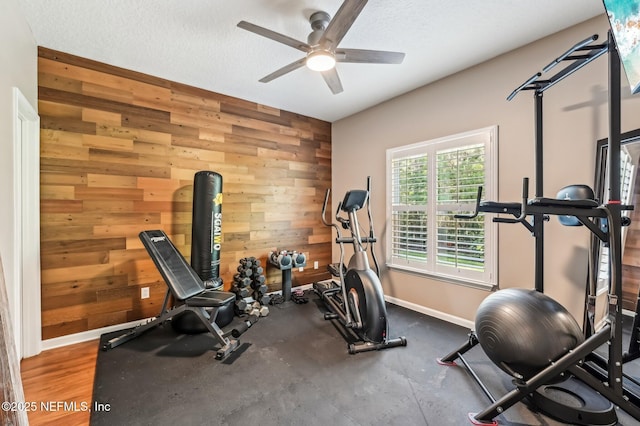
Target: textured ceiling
(196, 42)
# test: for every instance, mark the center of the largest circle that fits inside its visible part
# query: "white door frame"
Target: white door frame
(25, 292)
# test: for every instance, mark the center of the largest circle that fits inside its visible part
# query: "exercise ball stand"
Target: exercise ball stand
(508, 322)
(571, 401)
(521, 330)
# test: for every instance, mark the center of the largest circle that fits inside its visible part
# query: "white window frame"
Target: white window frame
(486, 279)
(627, 185)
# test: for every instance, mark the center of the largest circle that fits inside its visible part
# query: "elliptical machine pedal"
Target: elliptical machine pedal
(334, 269)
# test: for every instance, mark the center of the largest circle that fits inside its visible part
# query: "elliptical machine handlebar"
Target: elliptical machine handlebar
(355, 238)
(324, 208)
(372, 238)
(343, 221)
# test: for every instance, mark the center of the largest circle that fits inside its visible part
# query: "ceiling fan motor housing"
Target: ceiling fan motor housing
(319, 21)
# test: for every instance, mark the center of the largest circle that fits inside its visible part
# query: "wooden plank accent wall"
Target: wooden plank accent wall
(119, 150)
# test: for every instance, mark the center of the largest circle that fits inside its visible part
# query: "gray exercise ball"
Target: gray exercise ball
(523, 331)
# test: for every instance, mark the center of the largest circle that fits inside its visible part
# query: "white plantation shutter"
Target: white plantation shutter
(409, 222)
(459, 172)
(428, 184)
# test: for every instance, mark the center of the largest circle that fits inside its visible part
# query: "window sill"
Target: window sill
(445, 278)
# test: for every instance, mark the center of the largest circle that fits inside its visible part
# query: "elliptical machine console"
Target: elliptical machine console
(357, 300)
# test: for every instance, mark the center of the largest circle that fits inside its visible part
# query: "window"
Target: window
(428, 184)
(627, 183)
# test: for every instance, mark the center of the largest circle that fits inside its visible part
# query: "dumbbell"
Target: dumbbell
(246, 272)
(262, 288)
(241, 281)
(246, 263)
(240, 291)
(240, 305)
(259, 310)
(263, 299)
(299, 259)
(257, 281)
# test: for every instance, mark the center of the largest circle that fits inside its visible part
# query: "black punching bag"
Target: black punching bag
(206, 228)
(206, 236)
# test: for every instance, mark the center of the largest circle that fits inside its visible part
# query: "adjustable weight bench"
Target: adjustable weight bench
(189, 292)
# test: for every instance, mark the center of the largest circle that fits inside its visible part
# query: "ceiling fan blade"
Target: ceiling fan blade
(280, 38)
(369, 56)
(341, 22)
(332, 80)
(282, 71)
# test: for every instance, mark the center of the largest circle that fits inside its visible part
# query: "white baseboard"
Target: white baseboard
(431, 312)
(71, 339)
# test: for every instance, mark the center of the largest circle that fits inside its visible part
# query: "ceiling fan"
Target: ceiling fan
(321, 48)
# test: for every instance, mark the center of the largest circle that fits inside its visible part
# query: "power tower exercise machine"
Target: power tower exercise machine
(596, 363)
(357, 300)
(547, 330)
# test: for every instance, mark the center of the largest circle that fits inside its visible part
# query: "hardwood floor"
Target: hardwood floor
(58, 384)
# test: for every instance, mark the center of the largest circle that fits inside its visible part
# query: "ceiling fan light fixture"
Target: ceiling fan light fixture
(320, 60)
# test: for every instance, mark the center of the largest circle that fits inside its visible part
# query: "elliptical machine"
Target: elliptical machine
(357, 301)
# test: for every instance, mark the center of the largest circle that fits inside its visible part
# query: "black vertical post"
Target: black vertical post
(615, 217)
(539, 145)
(286, 284)
(538, 219)
(614, 122)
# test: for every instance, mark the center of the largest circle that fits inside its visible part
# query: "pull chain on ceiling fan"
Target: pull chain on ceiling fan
(321, 47)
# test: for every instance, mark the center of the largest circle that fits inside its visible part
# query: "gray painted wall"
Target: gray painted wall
(575, 117)
(18, 56)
